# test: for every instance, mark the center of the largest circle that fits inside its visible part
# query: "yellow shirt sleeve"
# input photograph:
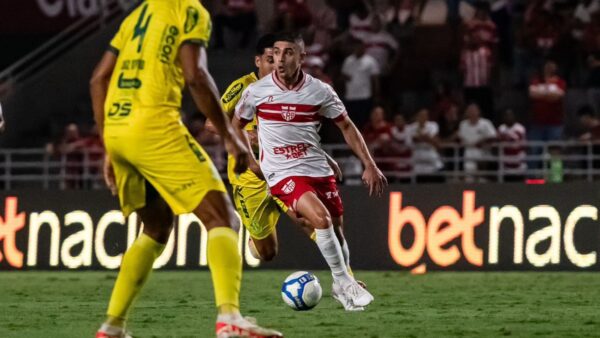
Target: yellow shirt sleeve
(231, 97)
(118, 41)
(196, 23)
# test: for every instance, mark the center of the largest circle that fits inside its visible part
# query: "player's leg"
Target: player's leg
(260, 213)
(315, 212)
(137, 262)
(265, 248)
(218, 216)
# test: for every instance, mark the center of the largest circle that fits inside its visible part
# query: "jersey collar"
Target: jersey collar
(283, 87)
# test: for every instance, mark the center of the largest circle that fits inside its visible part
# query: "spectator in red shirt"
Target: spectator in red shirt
(292, 15)
(237, 15)
(547, 104)
(377, 130)
(378, 135)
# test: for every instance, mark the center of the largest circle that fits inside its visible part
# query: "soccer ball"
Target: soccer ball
(301, 291)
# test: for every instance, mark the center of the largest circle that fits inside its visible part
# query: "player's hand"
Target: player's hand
(109, 175)
(374, 179)
(239, 151)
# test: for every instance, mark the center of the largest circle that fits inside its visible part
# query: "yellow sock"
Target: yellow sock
(225, 265)
(135, 269)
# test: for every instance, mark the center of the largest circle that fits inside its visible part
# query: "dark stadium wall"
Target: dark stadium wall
(414, 228)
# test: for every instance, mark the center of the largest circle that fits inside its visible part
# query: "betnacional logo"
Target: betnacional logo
(449, 236)
(47, 245)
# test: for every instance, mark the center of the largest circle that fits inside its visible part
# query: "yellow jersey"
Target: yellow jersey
(228, 101)
(145, 88)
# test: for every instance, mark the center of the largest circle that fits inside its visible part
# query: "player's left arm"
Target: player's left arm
(372, 176)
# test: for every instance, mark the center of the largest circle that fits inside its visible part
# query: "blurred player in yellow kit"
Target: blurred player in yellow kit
(258, 209)
(153, 163)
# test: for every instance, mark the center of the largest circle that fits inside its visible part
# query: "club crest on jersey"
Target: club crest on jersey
(288, 112)
(288, 187)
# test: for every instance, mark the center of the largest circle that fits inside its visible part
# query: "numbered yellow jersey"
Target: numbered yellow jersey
(145, 89)
(143, 133)
(228, 101)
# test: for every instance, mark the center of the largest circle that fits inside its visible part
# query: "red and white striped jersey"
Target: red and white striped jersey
(477, 66)
(288, 124)
(514, 155)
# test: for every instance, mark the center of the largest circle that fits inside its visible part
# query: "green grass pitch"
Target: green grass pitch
(180, 304)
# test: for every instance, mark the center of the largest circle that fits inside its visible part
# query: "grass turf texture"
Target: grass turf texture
(180, 304)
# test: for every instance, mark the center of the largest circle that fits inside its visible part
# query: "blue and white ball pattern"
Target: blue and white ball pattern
(301, 291)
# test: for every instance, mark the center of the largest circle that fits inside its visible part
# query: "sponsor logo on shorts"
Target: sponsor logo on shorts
(332, 194)
(293, 151)
(289, 186)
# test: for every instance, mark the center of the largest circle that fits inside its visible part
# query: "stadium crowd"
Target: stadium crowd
(419, 75)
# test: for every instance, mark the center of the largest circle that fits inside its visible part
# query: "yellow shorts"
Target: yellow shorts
(170, 160)
(259, 210)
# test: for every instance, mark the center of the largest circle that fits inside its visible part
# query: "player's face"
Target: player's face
(288, 58)
(265, 63)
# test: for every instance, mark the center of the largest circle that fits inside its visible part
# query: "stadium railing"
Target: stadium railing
(548, 161)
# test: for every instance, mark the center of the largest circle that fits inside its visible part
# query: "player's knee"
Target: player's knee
(321, 221)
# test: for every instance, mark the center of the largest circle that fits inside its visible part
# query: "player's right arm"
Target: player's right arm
(204, 92)
(98, 89)
(244, 113)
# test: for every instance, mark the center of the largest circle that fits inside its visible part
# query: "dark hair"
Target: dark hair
(289, 37)
(586, 110)
(264, 42)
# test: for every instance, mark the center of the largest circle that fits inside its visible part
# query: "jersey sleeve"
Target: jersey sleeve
(332, 107)
(231, 97)
(245, 110)
(118, 41)
(195, 22)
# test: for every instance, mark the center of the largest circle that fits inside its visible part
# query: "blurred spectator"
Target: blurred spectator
(592, 83)
(449, 123)
(591, 34)
(590, 124)
(481, 30)
(513, 135)
(70, 150)
(316, 67)
(361, 74)
(360, 21)
(378, 135)
(547, 104)
(426, 159)
(292, 15)
(380, 44)
(542, 32)
(585, 9)
(324, 23)
(398, 14)
(444, 100)
(476, 66)
(402, 142)
(238, 16)
(475, 134)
